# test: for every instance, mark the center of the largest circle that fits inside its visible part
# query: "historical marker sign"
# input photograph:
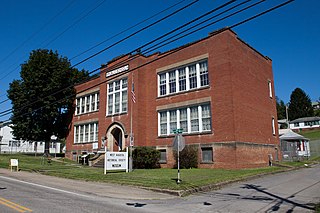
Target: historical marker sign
(116, 161)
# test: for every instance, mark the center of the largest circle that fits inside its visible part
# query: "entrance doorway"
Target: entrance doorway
(116, 138)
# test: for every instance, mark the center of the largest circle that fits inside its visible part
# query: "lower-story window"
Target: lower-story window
(206, 155)
(163, 156)
(193, 119)
(86, 133)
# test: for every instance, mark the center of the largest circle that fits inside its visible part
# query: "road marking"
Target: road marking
(46, 187)
(14, 206)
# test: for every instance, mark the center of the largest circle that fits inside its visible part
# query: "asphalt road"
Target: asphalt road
(294, 191)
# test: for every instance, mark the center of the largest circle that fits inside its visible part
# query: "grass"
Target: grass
(156, 178)
(312, 134)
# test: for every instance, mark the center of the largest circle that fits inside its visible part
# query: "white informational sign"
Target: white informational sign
(95, 146)
(14, 163)
(116, 161)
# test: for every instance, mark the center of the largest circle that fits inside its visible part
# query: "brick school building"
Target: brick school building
(218, 90)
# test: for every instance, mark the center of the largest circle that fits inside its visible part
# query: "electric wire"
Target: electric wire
(170, 53)
(125, 30)
(144, 28)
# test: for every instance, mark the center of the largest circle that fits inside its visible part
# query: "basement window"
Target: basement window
(163, 156)
(206, 155)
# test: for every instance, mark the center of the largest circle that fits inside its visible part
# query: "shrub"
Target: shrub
(145, 158)
(188, 157)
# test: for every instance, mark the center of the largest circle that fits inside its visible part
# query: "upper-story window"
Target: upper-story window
(117, 97)
(193, 119)
(189, 77)
(87, 104)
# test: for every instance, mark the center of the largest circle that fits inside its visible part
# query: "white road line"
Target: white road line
(46, 187)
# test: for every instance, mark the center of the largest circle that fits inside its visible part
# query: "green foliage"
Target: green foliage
(145, 158)
(188, 157)
(300, 105)
(42, 100)
(281, 109)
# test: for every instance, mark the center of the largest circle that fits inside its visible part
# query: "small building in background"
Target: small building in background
(306, 123)
(11, 145)
(294, 146)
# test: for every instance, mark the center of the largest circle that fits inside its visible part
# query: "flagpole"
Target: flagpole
(131, 131)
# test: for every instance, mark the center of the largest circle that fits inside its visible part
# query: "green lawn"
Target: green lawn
(312, 134)
(156, 178)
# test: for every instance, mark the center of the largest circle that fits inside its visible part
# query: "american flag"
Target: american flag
(133, 95)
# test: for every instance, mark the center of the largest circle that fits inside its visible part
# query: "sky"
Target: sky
(77, 29)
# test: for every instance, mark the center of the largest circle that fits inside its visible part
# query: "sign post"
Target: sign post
(178, 144)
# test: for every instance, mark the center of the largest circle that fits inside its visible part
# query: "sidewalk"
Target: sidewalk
(89, 188)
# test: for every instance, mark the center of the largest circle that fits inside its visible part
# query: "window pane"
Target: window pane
(163, 123)
(117, 85)
(86, 135)
(204, 79)
(183, 120)
(124, 83)
(96, 135)
(172, 81)
(81, 133)
(124, 101)
(173, 120)
(194, 119)
(206, 154)
(163, 156)
(110, 104)
(117, 102)
(163, 82)
(193, 76)
(91, 132)
(206, 118)
(182, 79)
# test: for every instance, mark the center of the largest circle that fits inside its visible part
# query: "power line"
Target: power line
(172, 52)
(144, 28)
(127, 29)
(136, 32)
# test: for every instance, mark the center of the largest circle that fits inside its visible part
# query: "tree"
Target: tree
(281, 109)
(317, 111)
(300, 105)
(42, 100)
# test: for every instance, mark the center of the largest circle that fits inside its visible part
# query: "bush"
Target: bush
(145, 158)
(188, 157)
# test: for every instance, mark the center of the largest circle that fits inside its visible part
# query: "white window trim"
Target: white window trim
(188, 131)
(113, 93)
(187, 71)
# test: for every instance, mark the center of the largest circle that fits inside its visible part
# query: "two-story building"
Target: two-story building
(218, 90)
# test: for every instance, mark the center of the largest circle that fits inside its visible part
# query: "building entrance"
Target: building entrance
(116, 138)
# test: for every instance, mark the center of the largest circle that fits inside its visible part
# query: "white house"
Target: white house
(306, 123)
(8, 144)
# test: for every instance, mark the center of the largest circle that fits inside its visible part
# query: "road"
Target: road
(294, 191)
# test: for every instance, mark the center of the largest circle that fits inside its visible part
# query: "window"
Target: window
(206, 118)
(204, 77)
(206, 154)
(183, 120)
(163, 84)
(163, 156)
(172, 81)
(182, 79)
(117, 97)
(87, 104)
(270, 88)
(194, 119)
(273, 127)
(296, 124)
(86, 133)
(163, 123)
(192, 76)
(173, 120)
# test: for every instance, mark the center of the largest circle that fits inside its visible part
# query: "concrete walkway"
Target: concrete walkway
(93, 188)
